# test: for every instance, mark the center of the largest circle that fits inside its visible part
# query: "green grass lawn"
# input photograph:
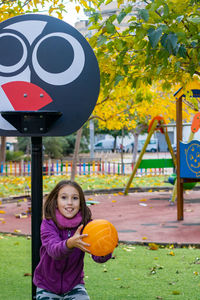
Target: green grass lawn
(11, 185)
(136, 272)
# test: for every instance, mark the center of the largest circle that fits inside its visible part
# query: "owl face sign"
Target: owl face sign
(46, 64)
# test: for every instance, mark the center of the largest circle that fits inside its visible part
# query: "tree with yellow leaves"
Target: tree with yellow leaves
(142, 63)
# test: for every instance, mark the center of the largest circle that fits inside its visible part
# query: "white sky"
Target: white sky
(72, 16)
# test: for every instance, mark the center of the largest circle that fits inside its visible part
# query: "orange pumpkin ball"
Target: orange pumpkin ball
(102, 237)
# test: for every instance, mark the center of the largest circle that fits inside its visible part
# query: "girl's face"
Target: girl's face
(68, 201)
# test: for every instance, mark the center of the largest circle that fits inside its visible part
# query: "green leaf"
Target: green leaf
(169, 42)
(154, 36)
(194, 19)
(123, 13)
(112, 18)
(95, 17)
(119, 44)
(166, 10)
(159, 68)
(108, 1)
(179, 18)
(125, 67)
(121, 16)
(93, 41)
(110, 27)
(134, 83)
(118, 78)
(144, 14)
(128, 9)
(101, 40)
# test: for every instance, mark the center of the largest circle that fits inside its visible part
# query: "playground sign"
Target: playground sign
(190, 159)
(46, 64)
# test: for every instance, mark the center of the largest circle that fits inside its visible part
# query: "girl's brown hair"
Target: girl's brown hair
(50, 204)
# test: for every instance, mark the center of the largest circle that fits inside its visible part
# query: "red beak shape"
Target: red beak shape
(26, 96)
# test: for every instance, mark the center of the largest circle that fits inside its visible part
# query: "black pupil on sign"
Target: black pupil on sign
(55, 54)
(11, 50)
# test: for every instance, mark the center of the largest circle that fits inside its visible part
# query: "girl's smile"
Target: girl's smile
(68, 201)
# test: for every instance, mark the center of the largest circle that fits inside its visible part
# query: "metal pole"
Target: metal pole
(178, 139)
(36, 200)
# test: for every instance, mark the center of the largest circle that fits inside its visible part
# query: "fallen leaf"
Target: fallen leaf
(171, 253)
(144, 238)
(120, 193)
(127, 250)
(142, 204)
(27, 274)
(196, 273)
(143, 199)
(131, 247)
(2, 212)
(153, 246)
(188, 210)
(175, 292)
(17, 230)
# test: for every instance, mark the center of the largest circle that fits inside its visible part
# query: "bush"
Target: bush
(14, 155)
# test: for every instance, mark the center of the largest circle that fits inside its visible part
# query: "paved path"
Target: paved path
(139, 217)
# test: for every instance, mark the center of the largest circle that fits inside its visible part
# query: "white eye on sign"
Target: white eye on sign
(70, 72)
(16, 53)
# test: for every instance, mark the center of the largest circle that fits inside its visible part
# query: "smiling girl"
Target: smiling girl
(59, 274)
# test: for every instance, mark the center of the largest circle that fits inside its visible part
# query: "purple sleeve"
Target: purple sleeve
(55, 246)
(101, 259)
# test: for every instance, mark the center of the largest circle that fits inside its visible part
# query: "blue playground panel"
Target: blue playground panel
(190, 159)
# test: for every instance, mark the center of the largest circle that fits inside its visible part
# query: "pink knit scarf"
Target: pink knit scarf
(68, 223)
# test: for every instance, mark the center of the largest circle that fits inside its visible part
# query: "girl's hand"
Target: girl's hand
(76, 240)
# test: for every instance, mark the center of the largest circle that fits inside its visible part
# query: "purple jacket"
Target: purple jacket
(60, 269)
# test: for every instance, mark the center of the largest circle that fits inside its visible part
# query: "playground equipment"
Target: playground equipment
(184, 173)
(191, 156)
(157, 123)
(186, 185)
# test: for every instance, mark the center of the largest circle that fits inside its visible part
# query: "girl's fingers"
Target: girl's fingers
(86, 250)
(79, 229)
(85, 244)
(83, 235)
